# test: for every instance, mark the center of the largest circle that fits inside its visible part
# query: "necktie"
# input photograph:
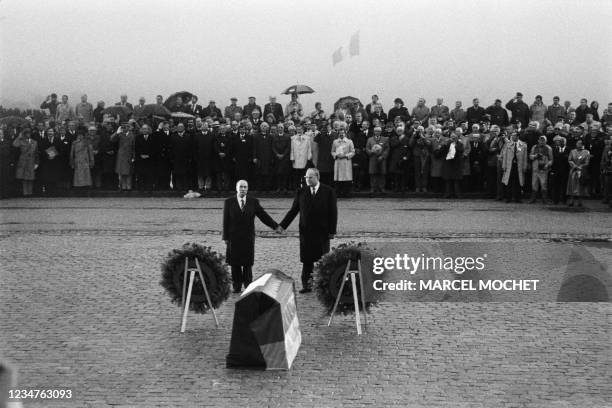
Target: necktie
(242, 204)
(312, 190)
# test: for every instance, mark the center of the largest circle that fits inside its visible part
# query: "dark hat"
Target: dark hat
(251, 97)
(556, 97)
(233, 98)
(54, 95)
(538, 96)
(498, 100)
(398, 100)
(519, 94)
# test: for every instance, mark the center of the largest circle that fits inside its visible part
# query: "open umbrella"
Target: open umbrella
(123, 112)
(181, 115)
(13, 120)
(348, 103)
(298, 89)
(151, 109)
(170, 103)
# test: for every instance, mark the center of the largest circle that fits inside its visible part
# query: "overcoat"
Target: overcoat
(239, 229)
(318, 220)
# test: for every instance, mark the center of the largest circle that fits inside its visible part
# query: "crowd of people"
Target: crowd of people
(557, 153)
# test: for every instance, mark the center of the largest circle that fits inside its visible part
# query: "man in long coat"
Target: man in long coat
(51, 166)
(514, 164)
(145, 159)
(317, 206)
(239, 214)
(181, 154)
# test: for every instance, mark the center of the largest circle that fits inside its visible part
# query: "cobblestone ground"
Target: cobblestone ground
(82, 309)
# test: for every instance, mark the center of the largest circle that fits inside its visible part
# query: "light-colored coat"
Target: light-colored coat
(28, 158)
(82, 161)
(125, 153)
(343, 166)
(301, 151)
(521, 160)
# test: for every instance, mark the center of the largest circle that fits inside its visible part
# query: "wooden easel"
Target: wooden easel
(352, 272)
(185, 302)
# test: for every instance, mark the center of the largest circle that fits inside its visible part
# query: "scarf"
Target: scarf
(451, 152)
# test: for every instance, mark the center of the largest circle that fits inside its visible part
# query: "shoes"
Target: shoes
(305, 290)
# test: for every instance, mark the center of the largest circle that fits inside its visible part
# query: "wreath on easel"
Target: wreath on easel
(216, 276)
(328, 274)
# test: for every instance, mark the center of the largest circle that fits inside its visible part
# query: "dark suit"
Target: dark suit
(239, 234)
(318, 220)
(181, 155)
(559, 173)
(276, 110)
(145, 168)
(474, 114)
(243, 150)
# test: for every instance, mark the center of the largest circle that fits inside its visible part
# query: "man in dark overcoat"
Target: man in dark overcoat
(239, 214)
(317, 206)
(181, 154)
(146, 154)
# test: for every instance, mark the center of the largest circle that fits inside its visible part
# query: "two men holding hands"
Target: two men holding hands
(317, 206)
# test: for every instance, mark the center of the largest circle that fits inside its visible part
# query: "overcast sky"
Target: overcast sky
(218, 49)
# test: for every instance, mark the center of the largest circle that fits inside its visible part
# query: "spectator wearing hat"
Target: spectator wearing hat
(519, 109)
(274, 108)
(212, 111)
(458, 115)
(498, 115)
(232, 109)
(538, 110)
(555, 112)
(398, 110)
(248, 108)
(474, 113)
(559, 171)
(421, 146)
(420, 112)
(440, 111)
(541, 157)
(98, 116)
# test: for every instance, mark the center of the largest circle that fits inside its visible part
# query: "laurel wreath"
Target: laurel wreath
(214, 269)
(328, 274)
